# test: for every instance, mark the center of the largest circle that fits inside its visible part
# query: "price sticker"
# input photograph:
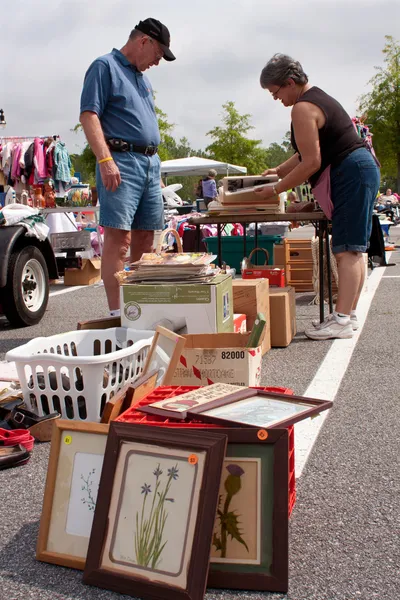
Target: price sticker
(193, 459)
(262, 434)
(68, 440)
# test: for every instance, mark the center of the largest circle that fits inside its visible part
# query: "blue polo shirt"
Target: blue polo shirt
(122, 98)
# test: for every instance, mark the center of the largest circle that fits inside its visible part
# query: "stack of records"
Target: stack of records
(184, 267)
(237, 195)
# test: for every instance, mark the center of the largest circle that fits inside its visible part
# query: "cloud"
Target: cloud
(220, 47)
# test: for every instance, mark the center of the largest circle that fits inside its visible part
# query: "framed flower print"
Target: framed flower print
(154, 517)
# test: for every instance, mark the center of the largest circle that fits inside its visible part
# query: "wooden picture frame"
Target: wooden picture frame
(245, 409)
(76, 449)
(188, 466)
(164, 354)
(130, 394)
(178, 406)
(255, 473)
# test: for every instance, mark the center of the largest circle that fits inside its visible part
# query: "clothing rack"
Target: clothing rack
(23, 138)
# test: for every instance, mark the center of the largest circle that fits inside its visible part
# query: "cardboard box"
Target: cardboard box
(187, 308)
(251, 296)
(89, 273)
(239, 323)
(279, 255)
(283, 316)
(219, 357)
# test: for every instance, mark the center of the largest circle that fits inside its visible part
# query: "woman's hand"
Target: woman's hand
(110, 175)
(264, 192)
(269, 172)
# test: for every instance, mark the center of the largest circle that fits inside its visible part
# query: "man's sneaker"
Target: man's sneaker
(353, 320)
(330, 329)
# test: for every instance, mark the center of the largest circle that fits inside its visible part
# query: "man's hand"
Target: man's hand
(110, 175)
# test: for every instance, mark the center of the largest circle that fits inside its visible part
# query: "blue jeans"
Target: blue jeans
(354, 186)
(137, 202)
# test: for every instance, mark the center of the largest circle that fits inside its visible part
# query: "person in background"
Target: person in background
(387, 197)
(327, 151)
(292, 198)
(120, 123)
(209, 187)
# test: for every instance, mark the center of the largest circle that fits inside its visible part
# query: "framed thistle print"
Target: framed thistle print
(154, 517)
(250, 539)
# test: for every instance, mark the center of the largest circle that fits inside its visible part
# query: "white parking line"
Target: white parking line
(328, 378)
(67, 290)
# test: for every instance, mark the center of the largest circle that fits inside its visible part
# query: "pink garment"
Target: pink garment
(322, 192)
(39, 160)
(16, 169)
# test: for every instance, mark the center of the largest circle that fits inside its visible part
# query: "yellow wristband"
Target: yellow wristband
(105, 159)
(274, 190)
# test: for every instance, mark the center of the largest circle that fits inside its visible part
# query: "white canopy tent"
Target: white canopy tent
(198, 166)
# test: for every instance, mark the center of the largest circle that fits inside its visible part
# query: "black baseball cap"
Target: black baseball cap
(159, 32)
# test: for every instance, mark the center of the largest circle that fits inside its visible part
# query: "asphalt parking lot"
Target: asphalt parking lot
(344, 530)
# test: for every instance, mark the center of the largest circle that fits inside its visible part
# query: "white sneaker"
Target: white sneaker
(330, 329)
(353, 320)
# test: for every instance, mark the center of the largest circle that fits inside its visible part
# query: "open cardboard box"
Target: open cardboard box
(210, 357)
(89, 273)
(219, 357)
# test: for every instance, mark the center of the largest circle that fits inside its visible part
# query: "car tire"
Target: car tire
(26, 294)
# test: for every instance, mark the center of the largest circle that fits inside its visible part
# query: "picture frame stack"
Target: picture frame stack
(163, 512)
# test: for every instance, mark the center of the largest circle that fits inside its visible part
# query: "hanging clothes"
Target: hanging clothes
(62, 163)
(39, 160)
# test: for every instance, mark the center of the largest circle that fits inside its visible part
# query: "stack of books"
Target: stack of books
(237, 196)
(184, 267)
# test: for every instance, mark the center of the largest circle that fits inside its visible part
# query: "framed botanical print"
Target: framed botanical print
(257, 408)
(250, 539)
(75, 463)
(154, 516)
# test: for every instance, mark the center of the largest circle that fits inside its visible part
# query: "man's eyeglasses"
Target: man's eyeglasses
(275, 94)
(160, 53)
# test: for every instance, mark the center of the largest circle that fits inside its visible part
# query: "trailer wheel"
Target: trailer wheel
(26, 294)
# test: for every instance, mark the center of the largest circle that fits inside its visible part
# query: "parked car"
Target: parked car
(26, 266)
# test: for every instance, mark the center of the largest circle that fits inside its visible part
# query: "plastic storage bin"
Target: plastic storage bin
(232, 247)
(76, 373)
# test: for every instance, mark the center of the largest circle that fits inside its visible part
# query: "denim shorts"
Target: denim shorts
(354, 186)
(137, 202)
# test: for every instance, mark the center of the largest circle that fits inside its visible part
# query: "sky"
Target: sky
(221, 47)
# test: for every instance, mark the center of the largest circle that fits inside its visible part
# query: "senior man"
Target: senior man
(120, 123)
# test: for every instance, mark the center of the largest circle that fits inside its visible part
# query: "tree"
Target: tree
(381, 109)
(276, 153)
(167, 142)
(231, 144)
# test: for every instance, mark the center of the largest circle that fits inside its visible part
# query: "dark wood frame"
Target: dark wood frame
(214, 444)
(277, 581)
(197, 412)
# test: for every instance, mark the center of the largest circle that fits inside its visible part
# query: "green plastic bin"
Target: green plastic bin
(232, 248)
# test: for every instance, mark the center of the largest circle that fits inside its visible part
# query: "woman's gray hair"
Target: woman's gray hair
(279, 69)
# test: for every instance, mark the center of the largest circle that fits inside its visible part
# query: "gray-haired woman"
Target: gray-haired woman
(342, 172)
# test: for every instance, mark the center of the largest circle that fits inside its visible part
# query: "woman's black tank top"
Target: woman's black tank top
(337, 138)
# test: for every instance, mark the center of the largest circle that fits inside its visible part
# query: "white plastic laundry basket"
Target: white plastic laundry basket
(76, 373)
